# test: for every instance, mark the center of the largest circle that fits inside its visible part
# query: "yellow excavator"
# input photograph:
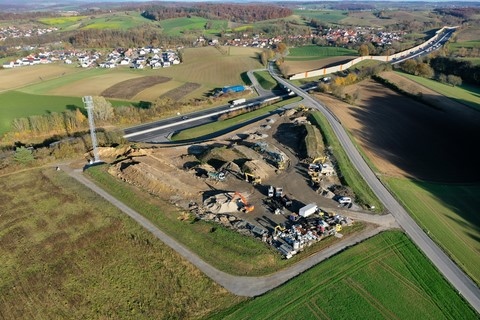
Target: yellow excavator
(252, 178)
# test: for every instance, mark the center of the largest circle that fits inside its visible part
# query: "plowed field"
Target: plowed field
(404, 137)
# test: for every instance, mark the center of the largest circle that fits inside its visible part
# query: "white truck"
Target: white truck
(237, 102)
(308, 210)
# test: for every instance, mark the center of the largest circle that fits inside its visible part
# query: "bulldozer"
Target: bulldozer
(252, 178)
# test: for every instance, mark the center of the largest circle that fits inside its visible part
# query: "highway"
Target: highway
(459, 280)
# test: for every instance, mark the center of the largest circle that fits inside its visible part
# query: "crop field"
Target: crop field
(119, 20)
(153, 92)
(325, 16)
(464, 44)
(182, 26)
(467, 34)
(465, 94)
(385, 277)
(182, 91)
(11, 79)
(67, 253)
(317, 52)
(449, 213)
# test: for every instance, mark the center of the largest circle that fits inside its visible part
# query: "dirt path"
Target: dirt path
(239, 285)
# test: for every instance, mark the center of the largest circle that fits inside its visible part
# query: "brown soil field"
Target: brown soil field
(301, 66)
(468, 34)
(155, 91)
(19, 77)
(129, 88)
(404, 137)
(182, 91)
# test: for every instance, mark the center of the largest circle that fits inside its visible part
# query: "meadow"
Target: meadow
(448, 214)
(314, 52)
(265, 80)
(466, 94)
(325, 16)
(69, 254)
(184, 26)
(385, 277)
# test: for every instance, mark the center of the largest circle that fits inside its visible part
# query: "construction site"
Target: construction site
(273, 180)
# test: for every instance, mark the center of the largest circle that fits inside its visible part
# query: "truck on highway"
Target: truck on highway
(237, 102)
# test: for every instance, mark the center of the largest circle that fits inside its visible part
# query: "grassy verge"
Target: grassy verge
(465, 94)
(385, 277)
(207, 129)
(448, 214)
(265, 80)
(69, 254)
(349, 174)
(225, 249)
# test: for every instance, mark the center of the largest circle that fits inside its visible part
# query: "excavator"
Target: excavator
(254, 179)
(316, 163)
(246, 206)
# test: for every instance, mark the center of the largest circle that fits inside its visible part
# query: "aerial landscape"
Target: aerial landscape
(239, 160)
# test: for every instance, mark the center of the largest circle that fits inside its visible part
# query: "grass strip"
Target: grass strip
(265, 80)
(348, 174)
(223, 125)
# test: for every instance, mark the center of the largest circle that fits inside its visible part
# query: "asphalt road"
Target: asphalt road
(462, 283)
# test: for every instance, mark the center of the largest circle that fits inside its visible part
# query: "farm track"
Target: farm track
(239, 285)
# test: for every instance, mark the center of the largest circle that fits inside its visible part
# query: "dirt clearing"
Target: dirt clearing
(129, 88)
(301, 66)
(182, 91)
(403, 137)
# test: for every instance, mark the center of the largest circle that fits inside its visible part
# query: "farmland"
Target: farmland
(326, 16)
(317, 52)
(444, 208)
(465, 94)
(63, 257)
(118, 20)
(193, 25)
(383, 277)
(448, 213)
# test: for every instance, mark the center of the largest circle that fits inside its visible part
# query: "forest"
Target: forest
(233, 12)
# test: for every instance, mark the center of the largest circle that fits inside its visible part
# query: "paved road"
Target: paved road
(239, 285)
(462, 283)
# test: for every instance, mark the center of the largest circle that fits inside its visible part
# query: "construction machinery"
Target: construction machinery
(278, 229)
(252, 178)
(316, 164)
(246, 206)
(218, 176)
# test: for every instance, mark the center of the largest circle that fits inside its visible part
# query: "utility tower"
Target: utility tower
(88, 102)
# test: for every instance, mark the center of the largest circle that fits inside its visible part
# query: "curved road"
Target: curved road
(462, 283)
(239, 285)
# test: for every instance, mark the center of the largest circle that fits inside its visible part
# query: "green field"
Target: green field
(464, 44)
(20, 105)
(68, 254)
(313, 52)
(385, 277)
(118, 21)
(183, 26)
(217, 126)
(324, 16)
(467, 94)
(353, 179)
(449, 214)
(265, 80)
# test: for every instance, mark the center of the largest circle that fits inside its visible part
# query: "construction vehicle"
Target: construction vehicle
(271, 191)
(278, 192)
(338, 227)
(316, 164)
(219, 176)
(252, 178)
(246, 206)
(278, 229)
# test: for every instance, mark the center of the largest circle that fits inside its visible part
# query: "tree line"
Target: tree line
(218, 11)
